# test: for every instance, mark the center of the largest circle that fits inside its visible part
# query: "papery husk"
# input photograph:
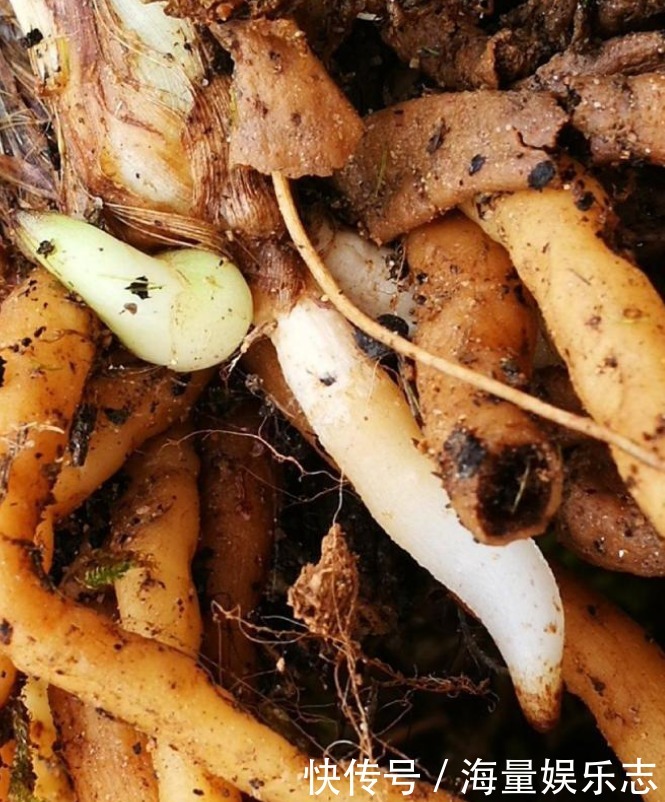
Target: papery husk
(142, 122)
(26, 167)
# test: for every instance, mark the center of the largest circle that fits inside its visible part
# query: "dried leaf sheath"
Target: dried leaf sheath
(118, 107)
(236, 197)
(25, 160)
(139, 124)
(283, 96)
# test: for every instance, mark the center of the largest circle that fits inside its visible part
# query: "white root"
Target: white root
(365, 274)
(366, 426)
(364, 271)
